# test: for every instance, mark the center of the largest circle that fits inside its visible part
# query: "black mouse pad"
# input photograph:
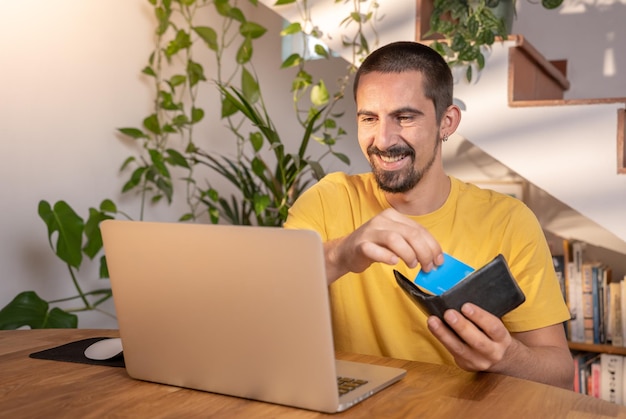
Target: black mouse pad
(75, 352)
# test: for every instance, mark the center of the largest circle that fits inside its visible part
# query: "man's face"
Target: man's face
(397, 129)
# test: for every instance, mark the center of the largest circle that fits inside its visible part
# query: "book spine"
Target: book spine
(615, 314)
(623, 309)
(576, 294)
(559, 268)
(604, 277)
(598, 298)
(589, 305)
(611, 378)
(595, 379)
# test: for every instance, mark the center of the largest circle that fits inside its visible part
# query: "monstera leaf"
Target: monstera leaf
(28, 309)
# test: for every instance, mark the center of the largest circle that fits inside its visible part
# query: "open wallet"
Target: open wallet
(491, 287)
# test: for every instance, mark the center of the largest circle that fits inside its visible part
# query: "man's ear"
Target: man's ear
(450, 121)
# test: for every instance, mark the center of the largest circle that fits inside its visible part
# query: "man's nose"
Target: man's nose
(386, 135)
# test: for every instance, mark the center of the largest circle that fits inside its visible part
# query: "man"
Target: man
(406, 213)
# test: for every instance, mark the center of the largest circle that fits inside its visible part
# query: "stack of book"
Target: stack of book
(600, 376)
(595, 299)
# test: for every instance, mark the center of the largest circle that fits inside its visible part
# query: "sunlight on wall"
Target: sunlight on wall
(302, 44)
(574, 7)
(608, 67)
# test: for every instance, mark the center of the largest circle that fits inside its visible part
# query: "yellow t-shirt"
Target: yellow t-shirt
(372, 315)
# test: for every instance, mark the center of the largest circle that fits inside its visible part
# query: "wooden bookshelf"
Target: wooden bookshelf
(590, 347)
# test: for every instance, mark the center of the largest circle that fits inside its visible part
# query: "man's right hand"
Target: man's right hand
(387, 238)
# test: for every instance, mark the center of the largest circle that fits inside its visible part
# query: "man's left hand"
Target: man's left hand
(481, 341)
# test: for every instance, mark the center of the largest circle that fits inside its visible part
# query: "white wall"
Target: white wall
(71, 76)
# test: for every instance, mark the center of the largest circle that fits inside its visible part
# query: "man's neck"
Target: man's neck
(427, 196)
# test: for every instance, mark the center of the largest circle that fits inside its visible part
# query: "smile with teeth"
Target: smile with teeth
(392, 159)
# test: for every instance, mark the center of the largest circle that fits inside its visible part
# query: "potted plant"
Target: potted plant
(462, 29)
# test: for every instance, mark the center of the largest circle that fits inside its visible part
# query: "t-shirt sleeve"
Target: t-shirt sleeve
(531, 264)
(307, 213)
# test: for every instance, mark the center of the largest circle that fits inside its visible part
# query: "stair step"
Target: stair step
(532, 76)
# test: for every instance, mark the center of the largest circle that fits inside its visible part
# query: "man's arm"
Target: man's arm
(388, 238)
(540, 355)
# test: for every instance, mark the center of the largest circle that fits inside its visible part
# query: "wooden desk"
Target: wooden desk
(32, 388)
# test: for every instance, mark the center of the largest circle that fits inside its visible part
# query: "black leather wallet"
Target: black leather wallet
(491, 287)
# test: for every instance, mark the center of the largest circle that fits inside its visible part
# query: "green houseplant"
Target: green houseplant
(172, 161)
(462, 29)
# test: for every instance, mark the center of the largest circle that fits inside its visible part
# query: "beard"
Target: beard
(400, 181)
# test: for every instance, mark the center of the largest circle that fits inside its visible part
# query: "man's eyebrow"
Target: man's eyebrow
(399, 111)
(365, 113)
(407, 109)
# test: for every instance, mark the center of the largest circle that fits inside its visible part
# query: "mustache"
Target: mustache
(393, 151)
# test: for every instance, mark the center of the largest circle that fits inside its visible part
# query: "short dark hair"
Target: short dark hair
(398, 57)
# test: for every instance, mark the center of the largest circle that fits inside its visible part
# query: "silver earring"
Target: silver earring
(445, 138)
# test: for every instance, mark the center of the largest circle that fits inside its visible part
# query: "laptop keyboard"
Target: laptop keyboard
(347, 384)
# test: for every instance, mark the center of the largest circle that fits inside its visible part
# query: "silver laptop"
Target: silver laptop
(235, 310)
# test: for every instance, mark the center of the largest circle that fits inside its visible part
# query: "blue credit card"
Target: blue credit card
(444, 277)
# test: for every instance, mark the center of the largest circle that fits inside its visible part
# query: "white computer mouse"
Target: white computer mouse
(104, 349)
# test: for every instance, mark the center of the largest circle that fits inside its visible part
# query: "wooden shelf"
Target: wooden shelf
(589, 347)
(532, 76)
